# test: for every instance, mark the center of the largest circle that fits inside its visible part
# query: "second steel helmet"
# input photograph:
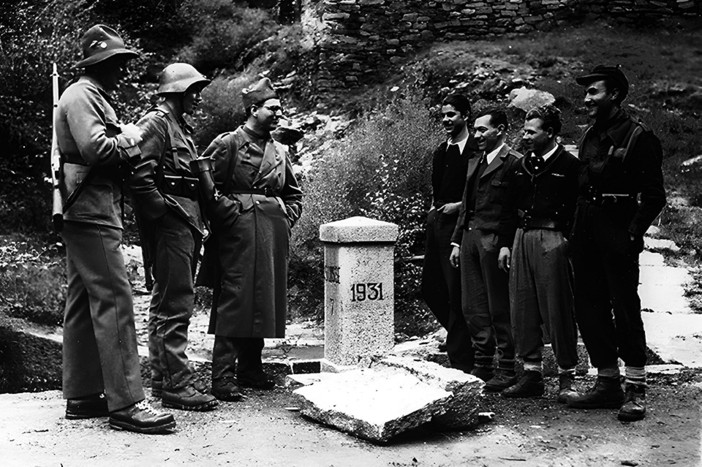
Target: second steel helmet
(178, 77)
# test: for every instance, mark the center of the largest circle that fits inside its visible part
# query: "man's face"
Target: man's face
(452, 120)
(191, 99)
(598, 100)
(535, 139)
(268, 114)
(486, 135)
(111, 71)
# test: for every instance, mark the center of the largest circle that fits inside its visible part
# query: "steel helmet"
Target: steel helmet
(178, 77)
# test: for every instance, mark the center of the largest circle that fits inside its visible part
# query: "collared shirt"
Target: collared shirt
(461, 144)
(491, 156)
(550, 153)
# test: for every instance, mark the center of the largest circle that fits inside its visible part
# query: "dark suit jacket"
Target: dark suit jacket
(491, 211)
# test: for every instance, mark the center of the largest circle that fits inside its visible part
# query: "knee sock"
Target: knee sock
(635, 375)
(612, 372)
(533, 366)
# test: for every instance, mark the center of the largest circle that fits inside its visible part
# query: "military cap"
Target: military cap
(606, 72)
(99, 43)
(258, 93)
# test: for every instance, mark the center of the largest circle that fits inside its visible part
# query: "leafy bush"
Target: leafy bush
(380, 170)
(34, 35)
(32, 287)
(222, 33)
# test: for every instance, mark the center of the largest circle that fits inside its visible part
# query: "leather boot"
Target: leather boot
(634, 407)
(226, 389)
(156, 388)
(501, 381)
(531, 384)
(188, 398)
(87, 407)
(565, 387)
(605, 394)
(142, 418)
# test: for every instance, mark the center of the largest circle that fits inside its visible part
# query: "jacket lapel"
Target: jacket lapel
(271, 160)
(497, 161)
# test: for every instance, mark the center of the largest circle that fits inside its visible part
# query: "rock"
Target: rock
(365, 402)
(526, 99)
(29, 361)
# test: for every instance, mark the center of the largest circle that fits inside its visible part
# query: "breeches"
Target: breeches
(541, 297)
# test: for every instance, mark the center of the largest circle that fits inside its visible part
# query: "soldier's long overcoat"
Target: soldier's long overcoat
(246, 259)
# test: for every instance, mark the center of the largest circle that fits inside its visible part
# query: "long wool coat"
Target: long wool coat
(246, 258)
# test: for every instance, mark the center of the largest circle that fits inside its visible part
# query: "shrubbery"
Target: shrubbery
(222, 33)
(380, 170)
(33, 282)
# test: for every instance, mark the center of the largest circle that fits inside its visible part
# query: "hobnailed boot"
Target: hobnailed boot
(565, 387)
(634, 407)
(531, 384)
(605, 394)
(188, 398)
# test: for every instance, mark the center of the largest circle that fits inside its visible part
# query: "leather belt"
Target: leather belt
(529, 222)
(267, 191)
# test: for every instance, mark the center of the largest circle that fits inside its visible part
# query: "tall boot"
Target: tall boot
(634, 407)
(605, 394)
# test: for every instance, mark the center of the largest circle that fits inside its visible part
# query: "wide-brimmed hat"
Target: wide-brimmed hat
(602, 72)
(258, 93)
(100, 43)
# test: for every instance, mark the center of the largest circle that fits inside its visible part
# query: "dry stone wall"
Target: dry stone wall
(358, 41)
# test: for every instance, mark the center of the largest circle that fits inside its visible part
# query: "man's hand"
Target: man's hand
(503, 259)
(454, 257)
(450, 208)
(132, 132)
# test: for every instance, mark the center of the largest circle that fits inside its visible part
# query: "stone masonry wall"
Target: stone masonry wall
(358, 40)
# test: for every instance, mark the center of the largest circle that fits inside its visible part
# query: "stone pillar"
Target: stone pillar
(358, 290)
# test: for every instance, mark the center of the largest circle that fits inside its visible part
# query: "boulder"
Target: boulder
(365, 403)
(526, 99)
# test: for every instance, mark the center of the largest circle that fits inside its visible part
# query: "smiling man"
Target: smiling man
(484, 223)
(621, 193)
(543, 189)
(246, 260)
(441, 284)
(168, 208)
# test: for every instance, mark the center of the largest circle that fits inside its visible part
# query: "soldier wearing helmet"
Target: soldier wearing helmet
(168, 208)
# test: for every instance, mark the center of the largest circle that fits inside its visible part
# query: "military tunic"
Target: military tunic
(99, 337)
(250, 243)
(167, 204)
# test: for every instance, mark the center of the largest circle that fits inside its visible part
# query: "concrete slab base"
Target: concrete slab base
(392, 396)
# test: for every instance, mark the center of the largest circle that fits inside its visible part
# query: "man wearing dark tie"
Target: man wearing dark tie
(485, 222)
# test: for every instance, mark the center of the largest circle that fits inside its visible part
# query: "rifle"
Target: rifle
(57, 208)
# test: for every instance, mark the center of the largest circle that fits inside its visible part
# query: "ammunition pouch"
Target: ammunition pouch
(176, 185)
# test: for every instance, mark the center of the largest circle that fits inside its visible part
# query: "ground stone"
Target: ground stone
(365, 402)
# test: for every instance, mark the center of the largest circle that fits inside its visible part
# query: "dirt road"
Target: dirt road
(263, 430)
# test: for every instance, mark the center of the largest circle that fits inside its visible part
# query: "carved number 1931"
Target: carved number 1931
(367, 291)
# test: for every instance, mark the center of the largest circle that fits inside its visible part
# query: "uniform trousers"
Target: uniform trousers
(236, 356)
(485, 298)
(541, 297)
(607, 303)
(173, 299)
(99, 337)
(441, 289)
